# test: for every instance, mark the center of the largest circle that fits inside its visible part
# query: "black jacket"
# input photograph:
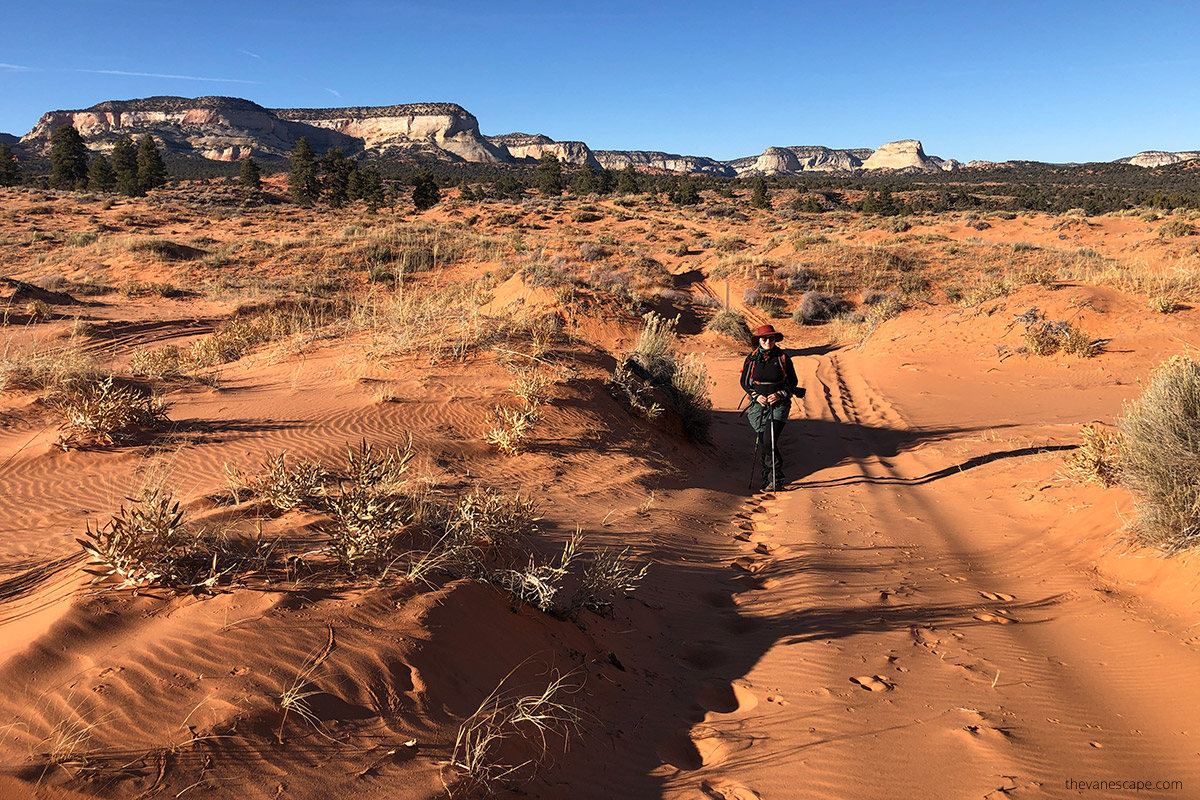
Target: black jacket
(769, 372)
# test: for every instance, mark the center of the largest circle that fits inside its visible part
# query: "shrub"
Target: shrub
(38, 311)
(1175, 228)
(103, 412)
(510, 428)
(589, 251)
(684, 381)
(731, 324)
(162, 362)
(817, 307)
(1164, 303)
(609, 574)
(1160, 455)
(286, 487)
(1097, 458)
(150, 543)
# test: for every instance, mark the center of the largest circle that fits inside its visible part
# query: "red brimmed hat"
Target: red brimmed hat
(764, 331)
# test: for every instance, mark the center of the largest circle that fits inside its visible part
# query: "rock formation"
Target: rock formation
(531, 147)
(229, 129)
(790, 160)
(444, 126)
(216, 128)
(1159, 158)
(906, 154)
(667, 162)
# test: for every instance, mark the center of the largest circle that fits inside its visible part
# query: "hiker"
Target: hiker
(769, 380)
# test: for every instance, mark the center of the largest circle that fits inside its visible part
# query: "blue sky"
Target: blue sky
(1051, 81)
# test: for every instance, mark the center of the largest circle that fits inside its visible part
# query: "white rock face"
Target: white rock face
(906, 154)
(221, 128)
(1159, 158)
(790, 160)
(446, 126)
(527, 147)
(668, 162)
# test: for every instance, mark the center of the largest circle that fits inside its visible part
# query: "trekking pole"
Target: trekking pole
(774, 478)
(753, 461)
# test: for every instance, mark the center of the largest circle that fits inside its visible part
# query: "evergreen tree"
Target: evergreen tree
(10, 170)
(870, 203)
(251, 175)
(151, 170)
(125, 167)
(548, 175)
(302, 181)
(338, 171)
(627, 182)
(101, 177)
(465, 193)
(585, 180)
(366, 185)
(887, 205)
(761, 198)
(426, 193)
(685, 194)
(608, 181)
(812, 206)
(68, 159)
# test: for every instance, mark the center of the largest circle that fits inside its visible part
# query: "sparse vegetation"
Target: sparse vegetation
(1159, 455)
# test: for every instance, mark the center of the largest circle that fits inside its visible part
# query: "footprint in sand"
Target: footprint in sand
(925, 637)
(751, 565)
(874, 683)
(720, 789)
(996, 618)
(999, 597)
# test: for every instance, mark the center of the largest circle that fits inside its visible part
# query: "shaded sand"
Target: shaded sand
(932, 608)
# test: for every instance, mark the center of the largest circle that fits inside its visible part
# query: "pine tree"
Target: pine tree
(251, 175)
(68, 159)
(426, 193)
(101, 177)
(125, 167)
(585, 180)
(761, 198)
(812, 206)
(366, 185)
(685, 194)
(887, 204)
(465, 192)
(627, 182)
(151, 170)
(302, 182)
(10, 170)
(548, 175)
(338, 169)
(608, 181)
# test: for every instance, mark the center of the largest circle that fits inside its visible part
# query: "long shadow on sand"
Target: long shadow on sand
(706, 641)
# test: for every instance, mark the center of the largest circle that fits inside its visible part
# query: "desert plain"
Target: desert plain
(939, 605)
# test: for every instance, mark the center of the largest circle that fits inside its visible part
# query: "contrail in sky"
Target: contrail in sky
(160, 75)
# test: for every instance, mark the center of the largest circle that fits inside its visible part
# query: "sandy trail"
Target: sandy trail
(920, 633)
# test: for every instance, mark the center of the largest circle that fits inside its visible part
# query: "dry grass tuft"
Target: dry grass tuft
(503, 720)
